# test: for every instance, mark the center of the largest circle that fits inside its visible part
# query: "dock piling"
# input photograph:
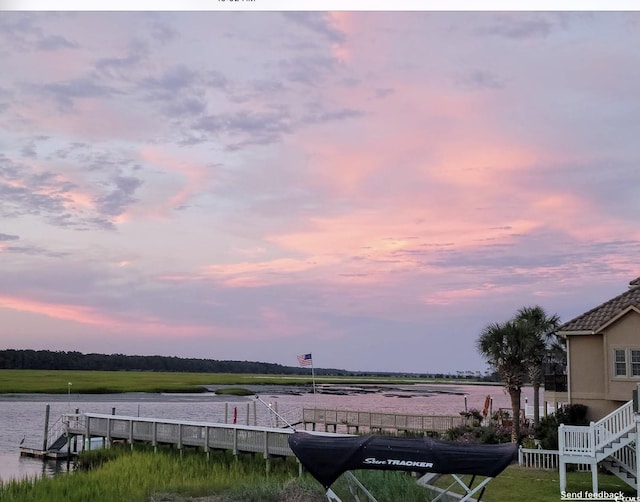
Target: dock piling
(46, 427)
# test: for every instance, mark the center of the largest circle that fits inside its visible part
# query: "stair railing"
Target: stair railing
(615, 425)
(58, 428)
(585, 440)
(576, 440)
(626, 457)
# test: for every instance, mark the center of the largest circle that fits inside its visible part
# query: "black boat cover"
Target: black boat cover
(326, 458)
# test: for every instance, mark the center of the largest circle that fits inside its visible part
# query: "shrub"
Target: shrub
(490, 434)
(547, 429)
(473, 416)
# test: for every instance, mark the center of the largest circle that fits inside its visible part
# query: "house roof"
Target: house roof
(602, 315)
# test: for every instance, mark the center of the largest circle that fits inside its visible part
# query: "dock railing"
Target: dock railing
(380, 421)
(210, 436)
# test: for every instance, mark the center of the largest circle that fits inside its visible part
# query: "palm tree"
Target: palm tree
(505, 347)
(540, 331)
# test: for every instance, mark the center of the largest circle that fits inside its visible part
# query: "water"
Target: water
(23, 415)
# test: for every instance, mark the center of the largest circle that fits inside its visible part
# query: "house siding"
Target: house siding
(623, 334)
(592, 338)
(587, 368)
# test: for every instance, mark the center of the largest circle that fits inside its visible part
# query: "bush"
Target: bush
(573, 414)
(547, 429)
(473, 416)
(482, 435)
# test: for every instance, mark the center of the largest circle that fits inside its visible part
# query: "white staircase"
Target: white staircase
(609, 442)
(622, 463)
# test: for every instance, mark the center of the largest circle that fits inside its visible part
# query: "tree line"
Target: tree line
(61, 360)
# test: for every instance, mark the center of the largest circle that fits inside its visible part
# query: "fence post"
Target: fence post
(637, 451)
(562, 467)
(520, 455)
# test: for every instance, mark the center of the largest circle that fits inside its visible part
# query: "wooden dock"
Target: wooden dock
(61, 440)
(268, 441)
(27, 451)
(370, 421)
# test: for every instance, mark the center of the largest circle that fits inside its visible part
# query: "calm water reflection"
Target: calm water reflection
(23, 415)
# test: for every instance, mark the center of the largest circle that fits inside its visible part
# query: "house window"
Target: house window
(620, 362)
(635, 363)
(626, 363)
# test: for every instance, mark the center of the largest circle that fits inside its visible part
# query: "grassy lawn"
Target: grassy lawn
(95, 382)
(518, 484)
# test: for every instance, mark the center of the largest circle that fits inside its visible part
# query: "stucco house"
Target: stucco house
(603, 369)
(603, 353)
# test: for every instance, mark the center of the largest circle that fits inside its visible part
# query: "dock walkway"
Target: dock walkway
(180, 433)
(62, 439)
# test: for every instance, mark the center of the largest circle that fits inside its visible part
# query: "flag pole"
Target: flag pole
(313, 379)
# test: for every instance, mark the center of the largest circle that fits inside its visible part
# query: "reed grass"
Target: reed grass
(142, 475)
(138, 475)
(118, 474)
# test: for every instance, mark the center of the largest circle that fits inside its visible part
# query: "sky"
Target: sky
(371, 187)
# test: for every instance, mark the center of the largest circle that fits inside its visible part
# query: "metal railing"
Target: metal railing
(57, 429)
(555, 382)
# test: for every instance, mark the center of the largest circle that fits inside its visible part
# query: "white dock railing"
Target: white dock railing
(375, 420)
(210, 436)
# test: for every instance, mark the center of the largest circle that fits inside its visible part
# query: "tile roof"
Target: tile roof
(597, 317)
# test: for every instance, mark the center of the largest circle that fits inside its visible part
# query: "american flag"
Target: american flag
(305, 360)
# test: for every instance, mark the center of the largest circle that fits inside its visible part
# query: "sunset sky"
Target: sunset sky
(371, 187)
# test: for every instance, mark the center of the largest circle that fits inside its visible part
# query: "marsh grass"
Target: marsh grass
(119, 474)
(234, 391)
(122, 475)
(142, 475)
(106, 382)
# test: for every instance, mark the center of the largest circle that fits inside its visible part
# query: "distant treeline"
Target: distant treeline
(61, 360)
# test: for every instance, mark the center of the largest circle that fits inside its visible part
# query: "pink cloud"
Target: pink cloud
(459, 296)
(261, 273)
(92, 316)
(194, 176)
